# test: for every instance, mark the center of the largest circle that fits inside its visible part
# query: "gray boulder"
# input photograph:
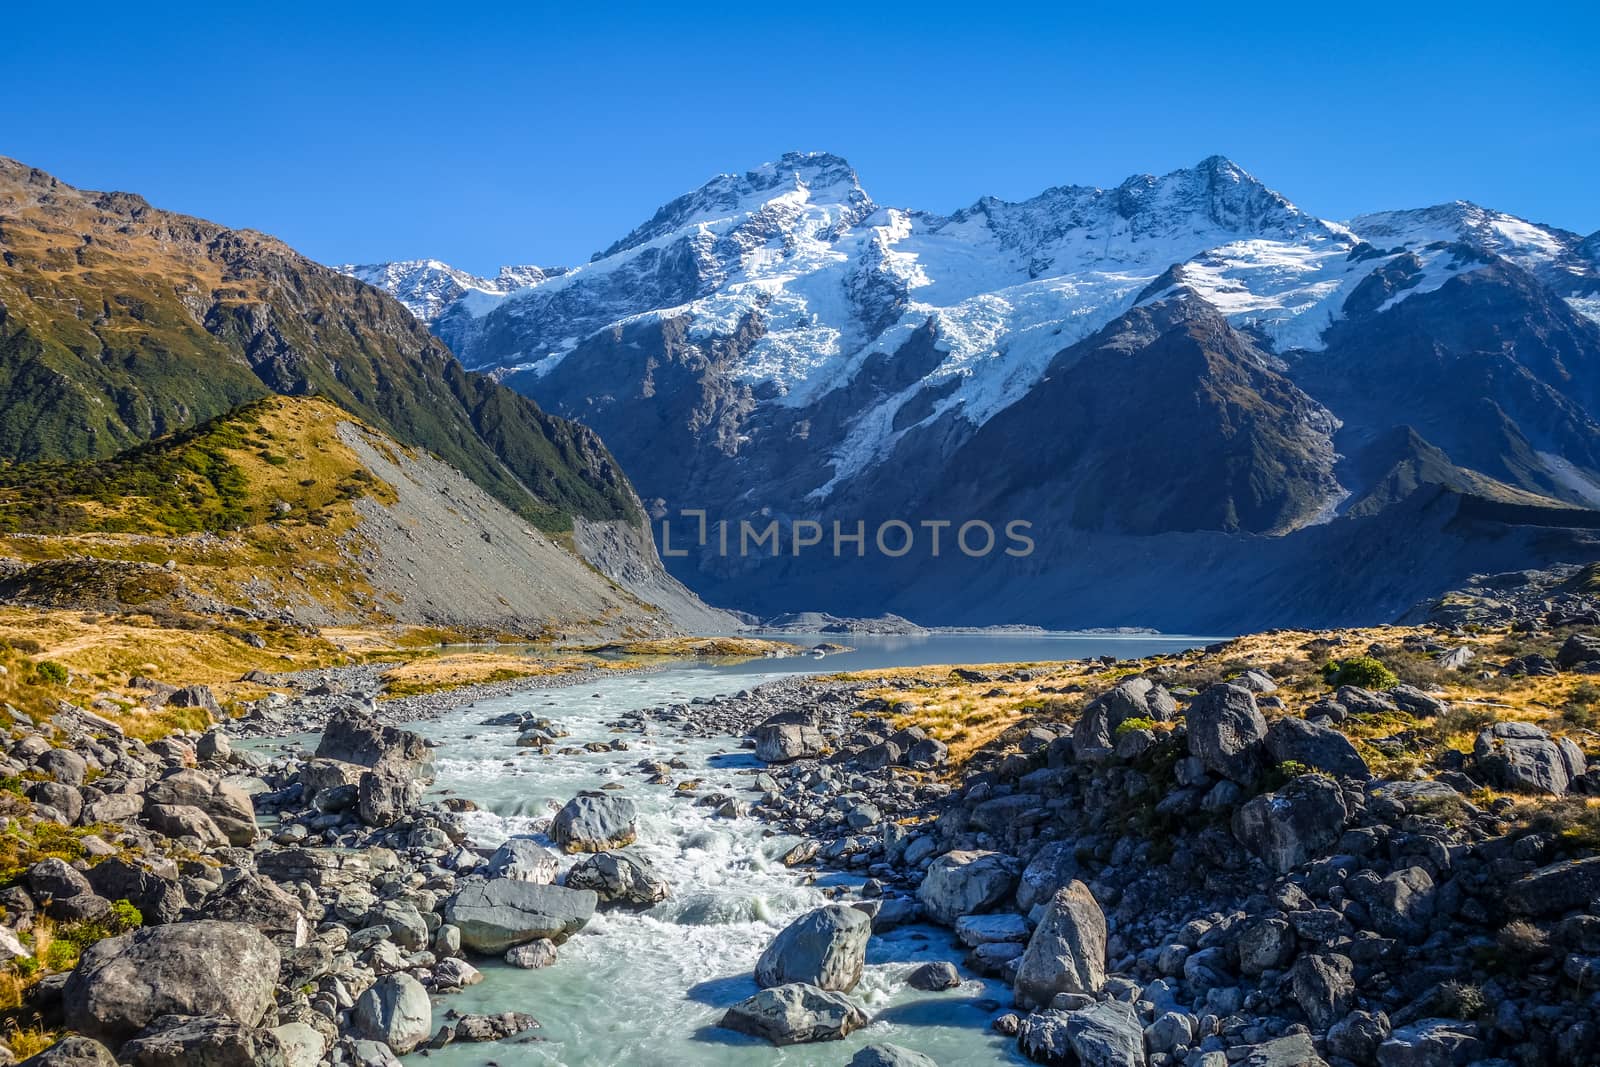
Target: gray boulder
(260, 903)
(1524, 757)
(354, 737)
(1324, 988)
(228, 806)
(124, 983)
(1411, 699)
(784, 738)
(963, 883)
(1095, 735)
(395, 1011)
(386, 795)
(621, 878)
(1293, 825)
(1560, 887)
(1227, 732)
(934, 976)
(73, 1051)
(1317, 747)
(1578, 650)
(1431, 1043)
(173, 1041)
(887, 1055)
(1108, 1034)
(524, 860)
(1067, 952)
(496, 914)
(1357, 1036)
(826, 948)
(185, 820)
(1052, 867)
(794, 1014)
(1359, 701)
(595, 821)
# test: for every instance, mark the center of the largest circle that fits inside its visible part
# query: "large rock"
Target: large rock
(1095, 735)
(1293, 825)
(1324, 988)
(205, 1042)
(228, 806)
(963, 883)
(1067, 952)
(148, 884)
(1431, 1043)
(595, 821)
(1578, 649)
(887, 1055)
(124, 983)
(185, 820)
(386, 795)
(354, 737)
(496, 914)
(395, 1011)
(1227, 733)
(1558, 888)
(524, 860)
(1052, 867)
(620, 878)
(1319, 748)
(787, 737)
(1108, 1034)
(797, 1013)
(262, 904)
(1524, 757)
(73, 1051)
(826, 948)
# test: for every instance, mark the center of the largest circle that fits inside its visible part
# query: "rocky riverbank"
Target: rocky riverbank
(1231, 857)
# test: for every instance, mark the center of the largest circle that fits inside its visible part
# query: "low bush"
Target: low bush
(1363, 671)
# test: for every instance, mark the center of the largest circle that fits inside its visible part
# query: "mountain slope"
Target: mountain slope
(288, 510)
(119, 322)
(1180, 368)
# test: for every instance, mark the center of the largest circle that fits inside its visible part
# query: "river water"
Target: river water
(646, 989)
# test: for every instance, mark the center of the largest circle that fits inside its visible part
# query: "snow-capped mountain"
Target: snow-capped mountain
(427, 287)
(777, 343)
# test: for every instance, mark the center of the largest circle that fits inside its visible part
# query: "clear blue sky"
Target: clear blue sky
(481, 134)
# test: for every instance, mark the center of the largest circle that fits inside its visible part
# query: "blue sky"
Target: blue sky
(480, 134)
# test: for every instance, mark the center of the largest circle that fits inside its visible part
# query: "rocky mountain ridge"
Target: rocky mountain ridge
(778, 345)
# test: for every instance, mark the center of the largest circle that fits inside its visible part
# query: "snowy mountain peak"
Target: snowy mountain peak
(820, 177)
(427, 287)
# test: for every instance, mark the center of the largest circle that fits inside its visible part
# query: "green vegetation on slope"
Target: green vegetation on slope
(119, 323)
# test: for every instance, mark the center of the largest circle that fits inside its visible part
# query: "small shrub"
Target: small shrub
(1582, 708)
(1522, 942)
(1461, 1000)
(1128, 726)
(1363, 671)
(51, 672)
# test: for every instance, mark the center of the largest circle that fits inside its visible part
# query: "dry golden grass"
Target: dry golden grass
(699, 647)
(432, 674)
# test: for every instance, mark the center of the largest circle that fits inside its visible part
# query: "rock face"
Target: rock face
(1227, 732)
(1289, 827)
(1106, 1035)
(496, 914)
(1524, 757)
(1317, 747)
(785, 737)
(594, 822)
(395, 1010)
(620, 878)
(794, 1014)
(1067, 952)
(1558, 888)
(211, 1042)
(963, 883)
(354, 737)
(211, 968)
(1095, 735)
(826, 948)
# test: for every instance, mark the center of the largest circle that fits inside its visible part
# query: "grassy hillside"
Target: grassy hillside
(120, 322)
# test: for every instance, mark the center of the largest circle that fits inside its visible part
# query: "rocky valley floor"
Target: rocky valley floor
(1349, 847)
